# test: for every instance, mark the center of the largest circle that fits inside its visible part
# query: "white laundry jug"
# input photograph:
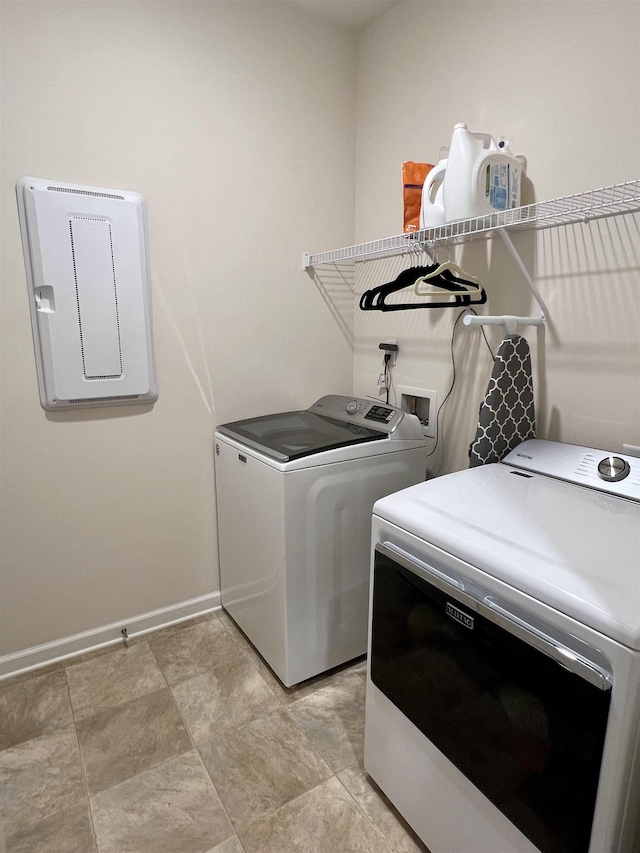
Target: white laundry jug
(481, 177)
(431, 206)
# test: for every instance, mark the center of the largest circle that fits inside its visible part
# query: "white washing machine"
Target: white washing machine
(503, 694)
(295, 492)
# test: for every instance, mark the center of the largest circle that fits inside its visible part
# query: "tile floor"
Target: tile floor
(185, 742)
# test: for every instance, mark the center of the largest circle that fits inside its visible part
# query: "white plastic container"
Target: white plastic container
(432, 205)
(481, 177)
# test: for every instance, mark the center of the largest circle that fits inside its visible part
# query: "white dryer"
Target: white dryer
(295, 492)
(503, 694)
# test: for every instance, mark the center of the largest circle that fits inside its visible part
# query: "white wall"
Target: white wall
(236, 122)
(562, 81)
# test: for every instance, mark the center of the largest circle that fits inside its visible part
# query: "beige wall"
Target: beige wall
(236, 122)
(561, 80)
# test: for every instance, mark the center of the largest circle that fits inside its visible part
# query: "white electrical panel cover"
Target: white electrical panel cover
(86, 259)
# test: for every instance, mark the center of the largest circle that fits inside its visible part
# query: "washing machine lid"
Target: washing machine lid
(291, 435)
(570, 546)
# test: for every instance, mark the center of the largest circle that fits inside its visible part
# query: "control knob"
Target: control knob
(352, 407)
(613, 468)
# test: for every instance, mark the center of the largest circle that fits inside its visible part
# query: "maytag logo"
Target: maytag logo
(460, 616)
(524, 456)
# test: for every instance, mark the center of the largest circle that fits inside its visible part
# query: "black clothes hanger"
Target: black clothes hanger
(461, 289)
(372, 300)
(447, 280)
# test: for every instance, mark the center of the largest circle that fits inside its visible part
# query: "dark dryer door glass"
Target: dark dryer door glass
(526, 731)
(290, 435)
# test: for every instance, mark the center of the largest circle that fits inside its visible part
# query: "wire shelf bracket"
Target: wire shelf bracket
(527, 276)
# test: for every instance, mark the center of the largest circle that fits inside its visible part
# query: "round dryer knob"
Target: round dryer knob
(612, 469)
(352, 407)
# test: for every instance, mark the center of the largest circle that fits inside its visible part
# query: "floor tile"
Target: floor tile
(124, 741)
(261, 766)
(34, 706)
(286, 695)
(172, 808)
(38, 778)
(231, 845)
(333, 719)
(393, 828)
(289, 695)
(150, 790)
(110, 679)
(68, 831)
(223, 698)
(24, 676)
(360, 668)
(185, 651)
(324, 819)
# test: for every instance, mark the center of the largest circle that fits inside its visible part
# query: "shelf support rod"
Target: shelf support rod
(525, 272)
(509, 322)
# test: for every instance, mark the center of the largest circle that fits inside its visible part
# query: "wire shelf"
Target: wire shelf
(568, 210)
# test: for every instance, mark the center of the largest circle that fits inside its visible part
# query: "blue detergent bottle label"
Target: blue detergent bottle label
(502, 186)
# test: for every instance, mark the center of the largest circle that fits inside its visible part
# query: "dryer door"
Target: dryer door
(493, 697)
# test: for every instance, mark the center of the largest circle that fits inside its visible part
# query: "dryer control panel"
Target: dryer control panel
(613, 473)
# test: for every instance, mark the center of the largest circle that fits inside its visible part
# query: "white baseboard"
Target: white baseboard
(108, 635)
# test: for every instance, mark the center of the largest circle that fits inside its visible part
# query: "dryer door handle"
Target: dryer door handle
(485, 605)
(570, 659)
(424, 567)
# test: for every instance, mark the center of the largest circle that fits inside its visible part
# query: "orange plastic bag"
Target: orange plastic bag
(413, 175)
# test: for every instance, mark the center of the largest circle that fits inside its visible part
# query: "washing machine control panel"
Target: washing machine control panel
(355, 410)
(380, 414)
